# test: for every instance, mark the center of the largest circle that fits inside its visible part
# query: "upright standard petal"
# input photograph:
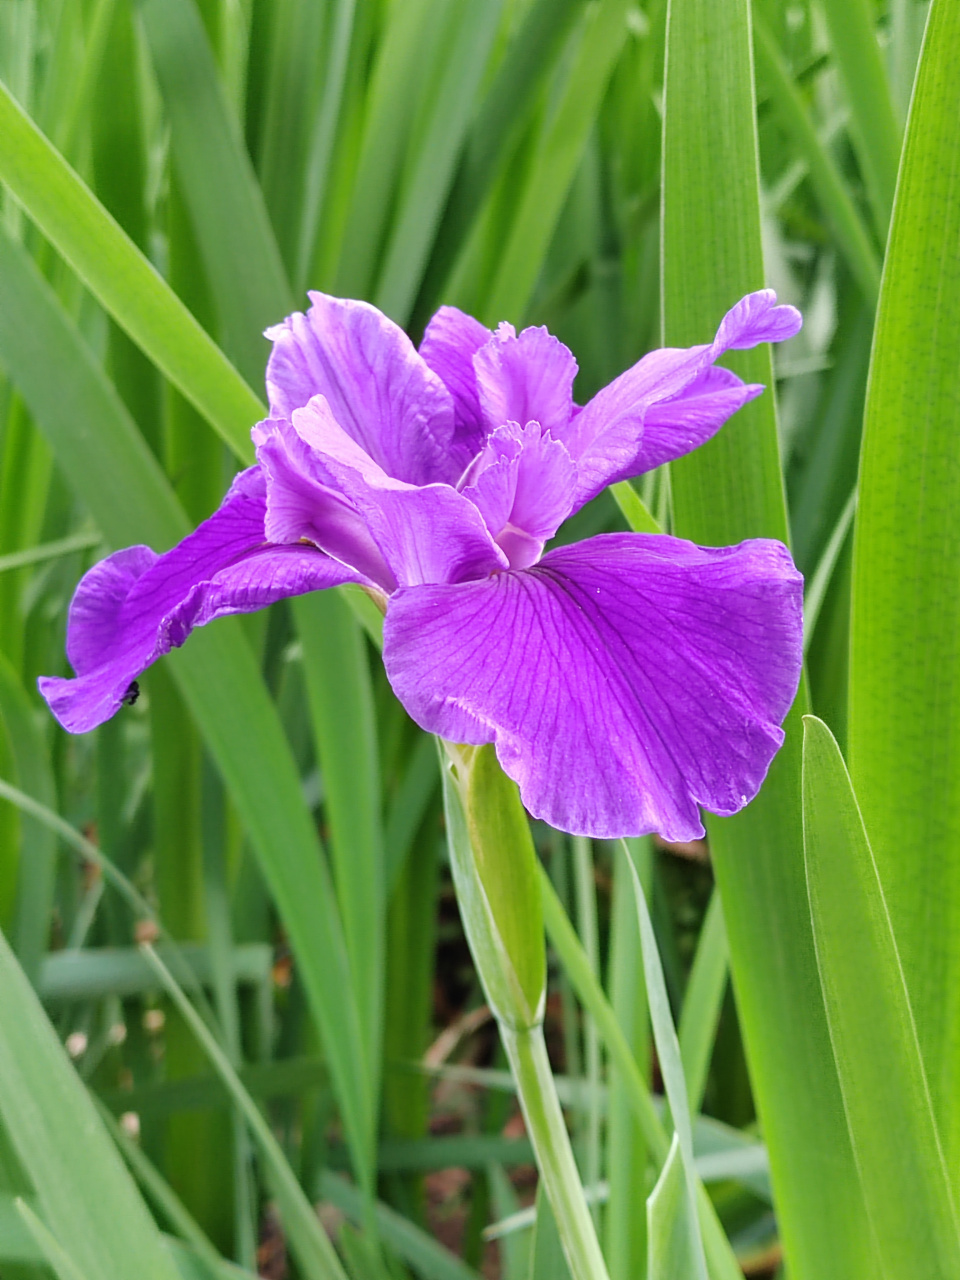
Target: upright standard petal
(526, 377)
(135, 606)
(625, 680)
(380, 390)
(671, 401)
(425, 533)
(450, 341)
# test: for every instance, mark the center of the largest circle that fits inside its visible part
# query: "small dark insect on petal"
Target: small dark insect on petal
(132, 694)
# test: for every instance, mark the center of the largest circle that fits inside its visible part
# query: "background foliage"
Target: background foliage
(309, 1029)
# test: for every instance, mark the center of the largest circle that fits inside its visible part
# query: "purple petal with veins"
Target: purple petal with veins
(625, 680)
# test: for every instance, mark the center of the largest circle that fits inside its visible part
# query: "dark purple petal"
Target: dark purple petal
(625, 680)
(449, 343)
(523, 484)
(303, 503)
(135, 606)
(380, 390)
(425, 533)
(526, 378)
(607, 438)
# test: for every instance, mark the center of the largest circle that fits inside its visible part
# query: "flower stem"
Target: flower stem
(527, 1053)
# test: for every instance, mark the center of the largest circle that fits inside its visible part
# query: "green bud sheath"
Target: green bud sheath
(495, 872)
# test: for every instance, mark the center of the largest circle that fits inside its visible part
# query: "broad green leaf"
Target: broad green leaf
(117, 477)
(57, 1258)
(885, 1089)
(904, 718)
(118, 274)
(726, 491)
(672, 1237)
(214, 174)
(81, 1189)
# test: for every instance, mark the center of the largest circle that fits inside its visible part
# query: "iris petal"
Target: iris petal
(135, 606)
(381, 391)
(625, 680)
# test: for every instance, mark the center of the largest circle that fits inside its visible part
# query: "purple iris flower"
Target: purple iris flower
(625, 680)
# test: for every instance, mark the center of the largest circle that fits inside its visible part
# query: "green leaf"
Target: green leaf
(904, 718)
(38, 848)
(81, 1188)
(559, 153)
(311, 1245)
(672, 1238)
(726, 491)
(121, 278)
(885, 1089)
(431, 172)
(674, 1216)
(58, 1259)
(873, 125)
(218, 185)
(703, 999)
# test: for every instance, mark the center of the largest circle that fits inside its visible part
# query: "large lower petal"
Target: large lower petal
(135, 606)
(381, 391)
(625, 680)
(671, 401)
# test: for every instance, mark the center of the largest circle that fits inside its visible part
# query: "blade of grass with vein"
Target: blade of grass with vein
(121, 278)
(340, 694)
(215, 172)
(674, 1221)
(111, 468)
(702, 1001)
(430, 1259)
(905, 644)
(59, 1261)
(726, 491)
(428, 179)
(874, 1036)
(314, 1253)
(670, 1223)
(873, 122)
(83, 1192)
(625, 1242)
(560, 152)
(563, 938)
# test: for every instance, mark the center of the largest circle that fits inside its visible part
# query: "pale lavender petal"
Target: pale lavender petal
(449, 343)
(381, 391)
(607, 437)
(526, 378)
(135, 606)
(425, 533)
(625, 680)
(524, 484)
(303, 503)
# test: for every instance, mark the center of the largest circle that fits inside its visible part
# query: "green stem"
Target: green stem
(527, 1053)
